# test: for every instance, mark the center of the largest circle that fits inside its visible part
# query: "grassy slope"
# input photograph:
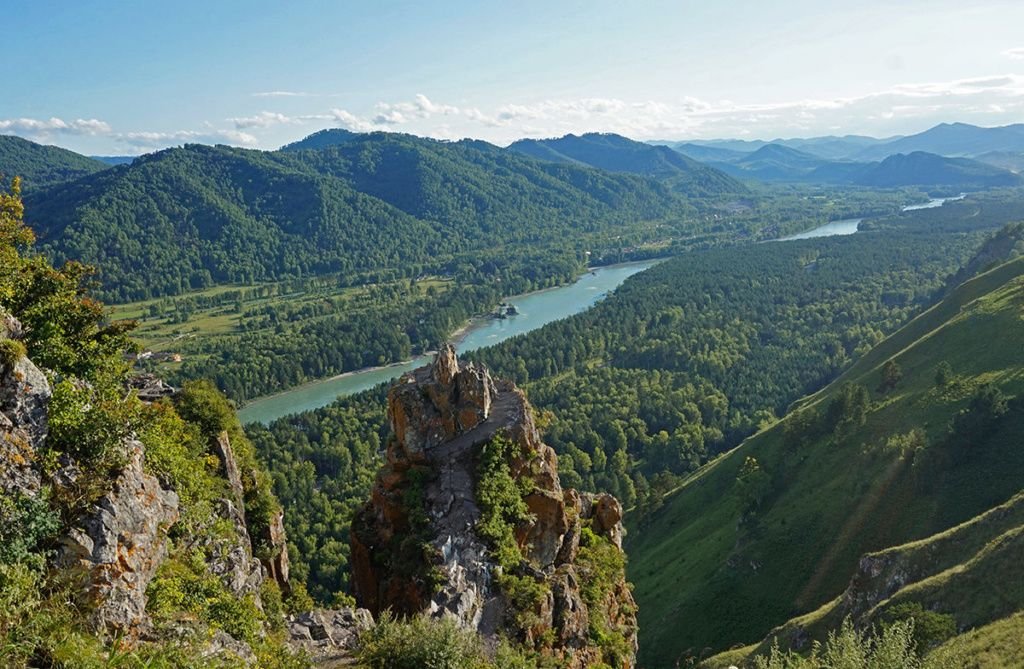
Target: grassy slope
(703, 583)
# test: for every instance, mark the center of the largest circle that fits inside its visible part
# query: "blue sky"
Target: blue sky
(128, 77)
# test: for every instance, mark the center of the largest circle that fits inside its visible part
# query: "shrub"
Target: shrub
(420, 643)
(893, 647)
(11, 351)
(25, 524)
(930, 628)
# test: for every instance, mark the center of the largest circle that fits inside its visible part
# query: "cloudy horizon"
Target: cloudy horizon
(707, 75)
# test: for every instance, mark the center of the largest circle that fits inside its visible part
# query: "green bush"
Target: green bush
(893, 647)
(25, 523)
(602, 567)
(420, 643)
(500, 498)
(930, 628)
(184, 584)
(11, 350)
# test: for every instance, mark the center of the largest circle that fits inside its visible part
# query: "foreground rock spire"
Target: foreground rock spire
(417, 545)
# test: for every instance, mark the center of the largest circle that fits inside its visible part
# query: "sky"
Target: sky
(123, 78)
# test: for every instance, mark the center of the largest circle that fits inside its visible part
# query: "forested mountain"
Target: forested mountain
(707, 154)
(945, 139)
(951, 139)
(920, 434)
(114, 160)
(1007, 160)
(40, 166)
(774, 162)
(829, 147)
(322, 139)
(777, 162)
(920, 168)
(618, 154)
(191, 217)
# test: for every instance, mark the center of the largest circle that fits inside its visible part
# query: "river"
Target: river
(848, 226)
(535, 310)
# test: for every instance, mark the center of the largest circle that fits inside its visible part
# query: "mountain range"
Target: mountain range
(616, 153)
(779, 162)
(945, 139)
(190, 217)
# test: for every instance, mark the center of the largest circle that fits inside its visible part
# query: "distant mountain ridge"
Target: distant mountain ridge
(616, 153)
(930, 169)
(946, 139)
(40, 165)
(780, 162)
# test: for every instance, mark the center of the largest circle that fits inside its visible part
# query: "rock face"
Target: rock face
(119, 545)
(231, 556)
(415, 547)
(328, 637)
(24, 395)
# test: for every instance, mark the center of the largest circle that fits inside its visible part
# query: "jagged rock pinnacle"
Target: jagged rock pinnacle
(415, 547)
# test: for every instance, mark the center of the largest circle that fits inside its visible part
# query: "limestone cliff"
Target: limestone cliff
(417, 545)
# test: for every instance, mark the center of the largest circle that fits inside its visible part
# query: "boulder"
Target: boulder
(328, 635)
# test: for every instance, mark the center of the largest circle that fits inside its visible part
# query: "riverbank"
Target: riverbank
(535, 309)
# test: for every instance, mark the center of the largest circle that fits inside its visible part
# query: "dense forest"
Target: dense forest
(679, 364)
(189, 218)
(40, 166)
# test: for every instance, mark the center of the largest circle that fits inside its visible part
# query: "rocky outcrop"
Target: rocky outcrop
(276, 561)
(117, 547)
(24, 396)
(230, 555)
(222, 449)
(328, 637)
(415, 547)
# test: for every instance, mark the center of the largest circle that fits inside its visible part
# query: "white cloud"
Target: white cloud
(45, 127)
(1016, 54)
(349, 120)
(264, 119)
(159, 140)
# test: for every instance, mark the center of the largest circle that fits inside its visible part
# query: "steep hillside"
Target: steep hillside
(41, 166)
(618, 154)
(951, 581)
(776, 526)
(921, 168)
(192, 217)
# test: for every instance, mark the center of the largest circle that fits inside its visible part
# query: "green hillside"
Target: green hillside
(776, 527)
(189, 218)
(39, 165)
(929, 169)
